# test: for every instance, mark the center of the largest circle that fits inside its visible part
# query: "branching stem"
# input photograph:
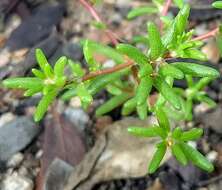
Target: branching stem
(96, 16)
(210, 34)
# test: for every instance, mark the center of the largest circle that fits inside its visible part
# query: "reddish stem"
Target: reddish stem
(165, 11)
(96, 16)
(166, 7)
(91, 10)
(207, 35)
(108, 71)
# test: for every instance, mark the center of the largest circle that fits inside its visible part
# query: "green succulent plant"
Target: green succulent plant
(137, 76)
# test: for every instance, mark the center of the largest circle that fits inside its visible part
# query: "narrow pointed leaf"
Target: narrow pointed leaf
(177, 132)
(192, 53)
(170, 70)
(162, 119)
(112, 103)
(145, 70)
(142, 111)
(157, 158)
(167, 92)
(179, 154)
(48, 71)
(207, 100)
(100, 82)
(133, 53)
(197, 158)
(217, 4)
(92, 47)
(23, 82)
(38, 73)
(129, 106)
(76, 68)
(192, 134)
(155, 43)
(143, 90)
(196, 70)
(41, 59)
(44, 104)
(141, 11)
(59, 66)
(83, 94)
(182, 18)
(69, 94)
(143, 131)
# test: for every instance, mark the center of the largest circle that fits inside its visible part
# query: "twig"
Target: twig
(96, 16)
(166, 7)
(207, 35)
(165, 11)
(209, 181)
(108, 71)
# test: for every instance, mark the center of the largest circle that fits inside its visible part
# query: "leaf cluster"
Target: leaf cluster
(133, 87)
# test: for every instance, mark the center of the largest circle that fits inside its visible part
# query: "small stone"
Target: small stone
(57, 174)
(15, 160)
(109, 64)
(212, 156)
(23, 171)
(75, 102)
(5, 118)
(17, 182)
(78, 117)
(39, 154)
(16, 135)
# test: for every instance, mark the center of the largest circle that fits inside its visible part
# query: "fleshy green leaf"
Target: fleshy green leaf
(59, 66)
(167, 92)
(197, 158)
(44, 104)
(38, 73)
(23, 82)
(145, 70)
(177, 132)
(141, 11)
(207, 100)
(192, 134)
(69, 94)
(140, 39)
(133, 53)
(181, 19)
(162, 119)
(196, 70)
(155, 43)
(179, 154)
(41, 59)
(88, 55)
(77, 70)
(143, 90)
(217, 4)
(101, 81)
(142, 111)
(48, 71)
(192, 53)
(170, 70)
(114, 90)
(143, 131)
(157, 158)
(129, 106)
(84, 95)
(112, 103)
(110, 52)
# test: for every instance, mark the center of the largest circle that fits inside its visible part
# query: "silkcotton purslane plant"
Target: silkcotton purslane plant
(135, 78)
